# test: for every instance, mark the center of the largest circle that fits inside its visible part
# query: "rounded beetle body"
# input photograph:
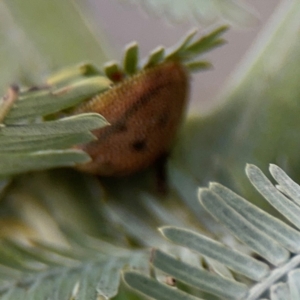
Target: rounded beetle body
(144, 112)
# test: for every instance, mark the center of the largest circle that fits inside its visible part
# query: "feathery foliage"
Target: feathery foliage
(66, 235)
(187, 50)
(257, 259)
(231, 271)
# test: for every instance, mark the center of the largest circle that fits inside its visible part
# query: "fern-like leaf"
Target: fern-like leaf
(186, 51)
(30, 143)
(273, 274)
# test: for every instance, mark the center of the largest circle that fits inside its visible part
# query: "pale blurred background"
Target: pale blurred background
(133, 24)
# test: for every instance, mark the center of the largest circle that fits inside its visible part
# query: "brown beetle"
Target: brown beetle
(144, 112)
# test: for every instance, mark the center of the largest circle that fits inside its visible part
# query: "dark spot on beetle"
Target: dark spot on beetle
(120, 127)
(163, 119)
(139, 145)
